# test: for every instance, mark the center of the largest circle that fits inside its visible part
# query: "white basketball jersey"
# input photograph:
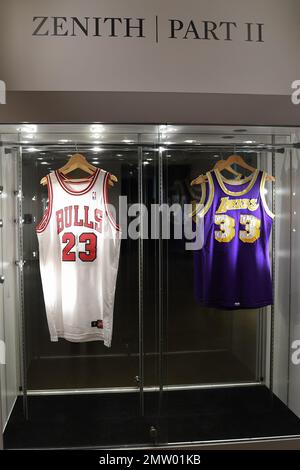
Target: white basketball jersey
(79, 246)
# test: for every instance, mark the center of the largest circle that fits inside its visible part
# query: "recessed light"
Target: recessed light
(96, 128)
(189, 141)
(97, 142)
(63, 141)
(119, 155)
(127, 141)
(32, 149)
(39, 158)
(249, 141)
(147, 153)
(97, 149)
(28, 128)
(145, 163)
(169, 143)
(44, 163)
(168, 155)
(149, 159)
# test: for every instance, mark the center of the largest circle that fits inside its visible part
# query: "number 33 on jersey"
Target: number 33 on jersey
(79, 245)
(235, 256)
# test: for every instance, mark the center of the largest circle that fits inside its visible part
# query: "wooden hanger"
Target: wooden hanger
(238, 160)
(203, 178)
(78, 161)
(226, 165)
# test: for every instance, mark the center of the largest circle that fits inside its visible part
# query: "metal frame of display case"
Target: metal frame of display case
(161, 302)
(161, 387)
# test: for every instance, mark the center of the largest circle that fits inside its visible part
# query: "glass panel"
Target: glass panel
(205, 345)
(91, 365)
(150, 189)
(225, 370)
(105, 381)
(177, 371)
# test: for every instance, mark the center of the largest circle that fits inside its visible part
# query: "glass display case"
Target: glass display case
(177, 372)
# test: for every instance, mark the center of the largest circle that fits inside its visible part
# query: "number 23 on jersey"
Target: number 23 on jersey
(89, 242)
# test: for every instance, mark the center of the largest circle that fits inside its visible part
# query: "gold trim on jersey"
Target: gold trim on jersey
(263, 197)
(198, 206)
(210, 197)
(203, 193)
(221, 179)
(237, 180)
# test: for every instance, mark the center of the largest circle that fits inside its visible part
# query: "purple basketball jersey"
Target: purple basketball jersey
(235, 260)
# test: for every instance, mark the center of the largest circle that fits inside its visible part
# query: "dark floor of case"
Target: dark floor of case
(108, 420)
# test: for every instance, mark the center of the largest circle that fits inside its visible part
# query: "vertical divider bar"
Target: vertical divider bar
(272, 330)
(141, 282)
(260, 163)
(262, 368)
(290, 274)
(266, 165)
(22, 322)
(161, 284)
(1, 384)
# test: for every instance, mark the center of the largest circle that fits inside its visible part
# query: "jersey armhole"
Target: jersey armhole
(263, 197)
(106, 203)
(47, 214)
(211, 193)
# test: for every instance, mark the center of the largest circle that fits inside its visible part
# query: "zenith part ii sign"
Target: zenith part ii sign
(195, 46)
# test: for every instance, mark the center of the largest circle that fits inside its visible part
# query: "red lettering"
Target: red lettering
(60, 220)
(86, 218)
(77, 223)
(68, 216)
(98, 219)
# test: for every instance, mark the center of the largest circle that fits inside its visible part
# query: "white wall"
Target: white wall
(54, 62)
